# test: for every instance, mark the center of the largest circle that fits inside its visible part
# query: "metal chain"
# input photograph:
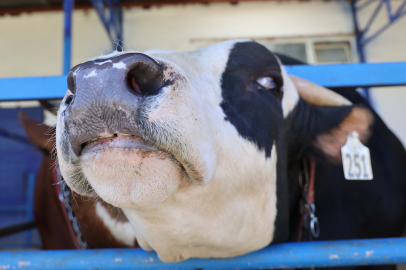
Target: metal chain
(64, 197)
(307, 209)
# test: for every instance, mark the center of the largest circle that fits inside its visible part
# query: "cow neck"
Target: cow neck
(63, 192)
(308, 221)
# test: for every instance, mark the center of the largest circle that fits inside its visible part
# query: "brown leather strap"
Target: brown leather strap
(310, 190)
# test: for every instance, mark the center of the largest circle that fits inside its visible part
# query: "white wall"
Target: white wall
(390, 46)
(175, 27)
(31, 44)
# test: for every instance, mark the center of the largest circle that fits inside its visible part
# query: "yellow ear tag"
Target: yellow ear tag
(356, 159)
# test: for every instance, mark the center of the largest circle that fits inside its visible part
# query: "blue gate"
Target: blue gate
(286, 255)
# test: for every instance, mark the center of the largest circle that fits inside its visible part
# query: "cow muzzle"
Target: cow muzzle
(102, 143)
(105, 96)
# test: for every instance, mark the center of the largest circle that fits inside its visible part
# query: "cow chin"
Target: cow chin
(135, 176)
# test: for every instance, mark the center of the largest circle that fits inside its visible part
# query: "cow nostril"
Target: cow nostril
(68, 99)
(133, 84)
(145, 76)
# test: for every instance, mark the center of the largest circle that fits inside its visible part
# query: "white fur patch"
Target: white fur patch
(232, 215)
(91, 74)
(119, 65)
(104, 62)
(290, 94)
(122, 231)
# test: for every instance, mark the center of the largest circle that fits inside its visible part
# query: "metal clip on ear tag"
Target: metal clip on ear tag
(356, 159)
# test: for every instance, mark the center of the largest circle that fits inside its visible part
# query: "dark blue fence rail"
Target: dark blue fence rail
(19, 162)
(344, 75)
(287, 255)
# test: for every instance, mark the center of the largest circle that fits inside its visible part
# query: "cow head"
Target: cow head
(194, 146)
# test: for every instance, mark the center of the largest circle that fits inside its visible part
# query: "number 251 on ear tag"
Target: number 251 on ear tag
(356, 159)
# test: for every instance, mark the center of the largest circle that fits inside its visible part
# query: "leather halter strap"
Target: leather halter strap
(308, 219)
(310, 189)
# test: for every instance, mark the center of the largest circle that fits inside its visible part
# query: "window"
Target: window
(295, 50)
(332, 52)
(311, 50)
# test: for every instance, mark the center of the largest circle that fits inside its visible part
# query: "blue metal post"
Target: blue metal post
(113, 23)
(359, 35)
(68, 6)
(29, 207)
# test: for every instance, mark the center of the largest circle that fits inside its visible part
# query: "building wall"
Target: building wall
(390, 46)
(31, 44)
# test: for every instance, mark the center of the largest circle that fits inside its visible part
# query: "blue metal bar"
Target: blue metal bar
(286, 255)
(343, 75)
(360, 46)
(400, 9)
(371, 20)
(389, 9)
(353, 75)
(391, 17)
(117, 21)
(382, 29)
(114, 23)
(365, 4)
(33, 88)
(68, 6)
(358, 32)
(98, 5)
(29, 207)
(14, 136)
(12, 208)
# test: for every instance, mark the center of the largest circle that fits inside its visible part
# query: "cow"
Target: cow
(101, 225)
(203, 150)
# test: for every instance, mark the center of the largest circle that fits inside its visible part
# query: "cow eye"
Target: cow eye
(267, 82)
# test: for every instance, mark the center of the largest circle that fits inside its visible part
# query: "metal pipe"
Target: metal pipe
(15, 229)
(14, 136)
(372, 19)
(286, 255)
(68, 6)
(358, 33)
(29, 207)
(335, 76)
(359, 36)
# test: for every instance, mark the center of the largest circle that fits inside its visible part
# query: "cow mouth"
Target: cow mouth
(116, 141)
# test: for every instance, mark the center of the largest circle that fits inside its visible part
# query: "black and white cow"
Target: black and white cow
(201, 150)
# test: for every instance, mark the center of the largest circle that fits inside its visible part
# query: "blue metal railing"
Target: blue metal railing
(287, 255)
(112, 22)
(344, 75)
(28, 207)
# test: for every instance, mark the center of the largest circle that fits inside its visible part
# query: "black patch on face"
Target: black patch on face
(255, 111)
(257, 114)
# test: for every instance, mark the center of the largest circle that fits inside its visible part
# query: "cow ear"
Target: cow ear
(329, 142)
(322, 120)
(43, 137)
(317, 95)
